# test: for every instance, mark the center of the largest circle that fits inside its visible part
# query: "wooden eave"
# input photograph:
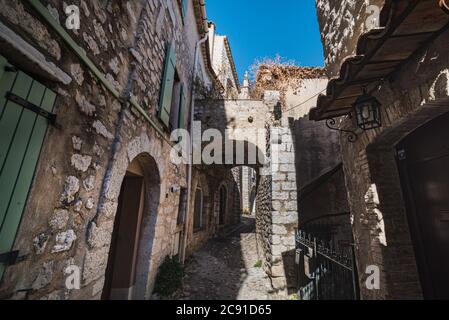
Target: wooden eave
(408, 26)
(231, 60)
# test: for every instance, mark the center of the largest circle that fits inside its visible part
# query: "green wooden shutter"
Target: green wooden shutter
(3, 65)
(21, 136)
(184, 8)
(167, 86)
(182, 107)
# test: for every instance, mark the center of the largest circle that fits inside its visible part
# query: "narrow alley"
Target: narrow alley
(164, 149)
(228, 268)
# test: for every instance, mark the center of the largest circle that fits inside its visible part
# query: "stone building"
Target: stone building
(223, 63)
(86, 117)
(395, 167)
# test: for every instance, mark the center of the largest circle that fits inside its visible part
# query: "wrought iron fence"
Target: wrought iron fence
(324, 272)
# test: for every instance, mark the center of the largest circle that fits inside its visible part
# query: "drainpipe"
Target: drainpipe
(189, 175)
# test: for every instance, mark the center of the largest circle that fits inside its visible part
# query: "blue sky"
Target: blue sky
(264, 28)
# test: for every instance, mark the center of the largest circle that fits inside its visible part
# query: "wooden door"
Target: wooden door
(22, 133)
(423, 159)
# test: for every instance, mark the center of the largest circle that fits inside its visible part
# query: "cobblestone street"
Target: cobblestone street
(227, 268)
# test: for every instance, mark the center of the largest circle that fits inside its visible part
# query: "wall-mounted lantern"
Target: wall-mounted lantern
(367, 111)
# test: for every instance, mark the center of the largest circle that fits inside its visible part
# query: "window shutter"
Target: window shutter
(22, 133)
(3, 65)
(182, 109)
(167, 86)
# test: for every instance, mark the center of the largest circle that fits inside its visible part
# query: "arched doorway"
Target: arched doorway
(423, 161)
(223, 205)
(130, 251)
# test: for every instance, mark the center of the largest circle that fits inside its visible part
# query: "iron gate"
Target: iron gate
(324, 273)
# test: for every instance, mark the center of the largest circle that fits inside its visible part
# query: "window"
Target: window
(172, 100)
(198, 211)
(177, 113)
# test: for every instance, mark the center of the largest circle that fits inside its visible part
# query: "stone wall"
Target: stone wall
(341, 24)
(70, 212)
(263, 222)
(284, 216)
(223, 64)
(264, 227)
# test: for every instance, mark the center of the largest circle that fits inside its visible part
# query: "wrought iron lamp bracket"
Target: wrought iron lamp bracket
(332, 124)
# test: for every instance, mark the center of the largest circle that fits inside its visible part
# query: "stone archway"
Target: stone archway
(129, 259)
(149, 155)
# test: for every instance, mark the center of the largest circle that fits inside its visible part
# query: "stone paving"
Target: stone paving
(226, 269)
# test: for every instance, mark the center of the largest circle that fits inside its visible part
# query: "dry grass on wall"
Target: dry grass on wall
(279, 74)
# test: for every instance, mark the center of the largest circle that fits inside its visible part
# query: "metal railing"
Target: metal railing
(324, 273)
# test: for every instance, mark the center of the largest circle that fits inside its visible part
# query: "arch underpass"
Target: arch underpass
(251, 133)
(236, 120)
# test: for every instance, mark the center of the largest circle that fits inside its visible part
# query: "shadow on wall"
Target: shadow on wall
(318, 149)
(324, 197)
(291, 271)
